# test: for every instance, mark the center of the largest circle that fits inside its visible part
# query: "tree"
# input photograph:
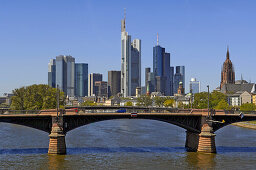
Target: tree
(159, 101)
(129, 103)
(144, 101)
(217, 97)
(222, 105)
(89, 103)
(248, 107)
(36, 97)
(200, 100)
(169, 103)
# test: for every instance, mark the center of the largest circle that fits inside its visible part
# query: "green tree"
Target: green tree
(169, 103)
(200, 100)
(159, 101)
(144, 101)
(36, 97)
(248, 107)
(89, 103)
(129, 103)
(217, 97)
(223, 104)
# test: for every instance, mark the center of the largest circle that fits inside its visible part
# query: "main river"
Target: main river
(125, 144)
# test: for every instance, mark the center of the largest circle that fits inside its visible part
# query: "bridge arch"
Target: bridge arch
(192, 125)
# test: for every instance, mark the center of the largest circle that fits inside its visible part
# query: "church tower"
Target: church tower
(227, 72)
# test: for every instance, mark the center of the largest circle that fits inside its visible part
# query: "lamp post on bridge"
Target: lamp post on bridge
(208, 99)
(58, 101)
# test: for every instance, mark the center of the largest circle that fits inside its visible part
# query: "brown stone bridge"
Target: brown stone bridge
(199, 126)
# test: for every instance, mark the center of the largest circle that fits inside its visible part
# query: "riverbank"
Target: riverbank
(245, 125)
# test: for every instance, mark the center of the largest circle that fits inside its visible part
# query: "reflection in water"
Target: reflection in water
(201, 160)
(56, 161)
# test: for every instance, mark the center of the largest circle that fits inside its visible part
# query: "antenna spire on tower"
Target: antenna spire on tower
(124, 13)
(157, 39)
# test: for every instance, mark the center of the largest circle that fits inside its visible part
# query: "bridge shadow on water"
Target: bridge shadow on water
(93, 150)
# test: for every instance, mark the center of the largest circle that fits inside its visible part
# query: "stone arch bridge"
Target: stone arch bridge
(200, 125)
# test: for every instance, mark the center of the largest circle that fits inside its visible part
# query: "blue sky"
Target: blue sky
(195, 32)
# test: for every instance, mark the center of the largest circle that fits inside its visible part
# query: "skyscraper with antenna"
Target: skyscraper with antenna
(130, 62)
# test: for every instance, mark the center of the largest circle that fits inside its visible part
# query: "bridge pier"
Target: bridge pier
(57, 144)
(206, 140)
(192, 140)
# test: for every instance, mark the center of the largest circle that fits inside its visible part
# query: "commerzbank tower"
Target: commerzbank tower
(130, 63)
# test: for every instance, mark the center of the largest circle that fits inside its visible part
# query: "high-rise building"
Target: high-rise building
(194, 86)
(114, 82)
(147, 70)
(93, 77)
(65, 74)
(161, 69)
(171, 80)
(227, 72)
(130, 63)
(52, 73)
(101, 88)
(81, 79)
(179, 77)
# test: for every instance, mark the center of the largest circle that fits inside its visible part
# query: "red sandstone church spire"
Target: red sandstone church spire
(227, 71)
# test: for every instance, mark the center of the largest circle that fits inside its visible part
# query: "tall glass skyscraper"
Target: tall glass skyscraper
(161, 69)
(81, 79)
(93, 77)
(65, 74)
(130, 63)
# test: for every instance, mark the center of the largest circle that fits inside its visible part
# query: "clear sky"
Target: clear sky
(195, 32)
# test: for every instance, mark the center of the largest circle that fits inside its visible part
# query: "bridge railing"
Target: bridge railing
(9, 112)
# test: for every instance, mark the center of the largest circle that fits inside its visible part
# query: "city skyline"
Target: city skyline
(196, 35)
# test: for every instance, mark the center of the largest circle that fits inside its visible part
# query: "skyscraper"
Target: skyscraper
(194, 86)
(130, 63)
(101, 88)
(179, 77)
(161, 69)
(65, 74)
(93, 77)
(52, 73)
(227, 72)
(81, 79)
(114, 82)
(171, 80)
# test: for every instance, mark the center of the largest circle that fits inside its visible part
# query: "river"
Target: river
(125, 144)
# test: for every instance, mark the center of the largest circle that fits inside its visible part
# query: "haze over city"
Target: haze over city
(195, 33)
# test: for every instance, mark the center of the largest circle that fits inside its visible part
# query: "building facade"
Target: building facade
(101, 89)
(52, 73)
(81, 79)
(93, 77)
(64, 76)
(227, 72)
(114, 82)
(179, 77)
(130, 63)
(161, 69)
(194, 86)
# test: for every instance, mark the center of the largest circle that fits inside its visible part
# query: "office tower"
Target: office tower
(65, 74)
(101, 88)
(81, 79)
(194, 86)
(93, 77)
(161, 69)
(171, 80)
(227, 72)
(147, 70)
(179, 77)
(114, 82)
(52, 73)
(130, 63)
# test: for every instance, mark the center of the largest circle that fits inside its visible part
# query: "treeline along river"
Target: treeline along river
(125, 144)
